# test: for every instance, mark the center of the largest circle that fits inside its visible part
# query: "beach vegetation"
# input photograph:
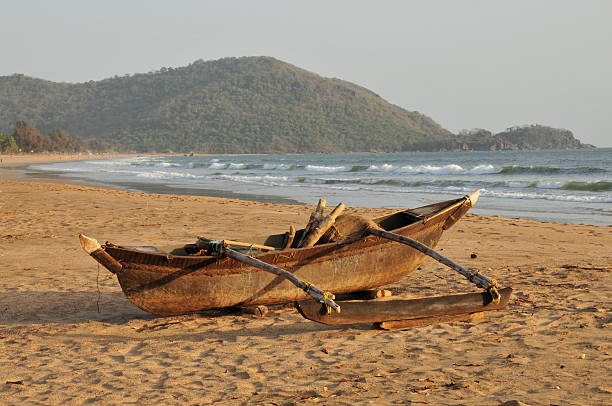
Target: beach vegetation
(26, 138)
(8, 145)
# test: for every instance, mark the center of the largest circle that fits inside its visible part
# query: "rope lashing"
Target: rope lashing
(327, 295)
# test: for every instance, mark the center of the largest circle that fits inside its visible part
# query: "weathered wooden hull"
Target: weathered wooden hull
(167, 285)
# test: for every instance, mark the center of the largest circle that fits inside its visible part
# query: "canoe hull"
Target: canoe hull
(169, 285)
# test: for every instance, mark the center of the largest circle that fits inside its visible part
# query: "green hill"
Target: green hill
(232, 105)
(532, 136)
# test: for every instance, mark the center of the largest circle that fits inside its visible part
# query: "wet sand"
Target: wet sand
(69, 336)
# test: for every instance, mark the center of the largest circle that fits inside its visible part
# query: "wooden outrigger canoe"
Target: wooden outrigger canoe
(171, 283)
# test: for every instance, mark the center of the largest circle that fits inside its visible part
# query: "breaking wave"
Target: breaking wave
(451, 169)
(599, 186)
(516, 169)
(321, 168)
(429, 169)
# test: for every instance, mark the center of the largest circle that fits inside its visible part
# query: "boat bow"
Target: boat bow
(93, 248)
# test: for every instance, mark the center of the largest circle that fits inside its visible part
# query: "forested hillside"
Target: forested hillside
(233, 105)
(238, 105)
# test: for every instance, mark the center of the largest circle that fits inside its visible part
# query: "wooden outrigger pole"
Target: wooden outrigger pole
(480, 280)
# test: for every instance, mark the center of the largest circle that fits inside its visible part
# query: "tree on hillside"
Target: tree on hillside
(60, 141)
(8, 144)
(477, 132)
(29, 138)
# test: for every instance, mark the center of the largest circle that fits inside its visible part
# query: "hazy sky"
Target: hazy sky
(488, 64)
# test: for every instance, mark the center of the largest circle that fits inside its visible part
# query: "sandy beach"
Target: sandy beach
(12, 160)
(69, 336)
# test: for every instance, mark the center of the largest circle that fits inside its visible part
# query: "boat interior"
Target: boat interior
(388, 222)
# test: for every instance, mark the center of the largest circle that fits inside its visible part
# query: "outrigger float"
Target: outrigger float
(334, 255)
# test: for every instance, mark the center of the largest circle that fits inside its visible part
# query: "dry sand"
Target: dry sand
(551, 346)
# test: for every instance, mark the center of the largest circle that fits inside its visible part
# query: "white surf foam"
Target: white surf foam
(320, 168)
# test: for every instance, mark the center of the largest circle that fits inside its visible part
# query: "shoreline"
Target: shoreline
(22, 160)
(13, 165)
(12, 160)
(18, 169)
(537, 210)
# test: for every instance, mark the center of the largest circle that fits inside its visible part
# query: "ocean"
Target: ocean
(563, 186)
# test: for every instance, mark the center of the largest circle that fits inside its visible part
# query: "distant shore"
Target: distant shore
(15, 160)
(10, 164)
(12, 160)
(14, 165)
